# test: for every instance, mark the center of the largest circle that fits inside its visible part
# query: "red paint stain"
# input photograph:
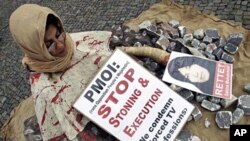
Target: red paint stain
(87, 136)
(79, 117)
(55, 98)
(95, 42)
(70, 110)
(34, 77)
(44, 114)
(71, 66)
(97, 60)
(58, 138)
(56, 123)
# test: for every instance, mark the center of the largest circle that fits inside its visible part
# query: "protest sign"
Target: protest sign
(132, 104)
(213, 78)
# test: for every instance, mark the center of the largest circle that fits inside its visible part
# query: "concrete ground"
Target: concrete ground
(86, 15)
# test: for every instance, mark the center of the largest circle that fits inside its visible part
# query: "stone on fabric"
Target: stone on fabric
(202, 46)
(217, 53)
(182, 31)
(171, 47)
(200, 97)
(207, 40)
(190, 118)
(195, 138)
(212, 33)
(175, 88)
(244, 103)
(196, 114)
(173, 32)
(195, 43)
(209, 55)
(184, 135)
(188, 38)
(187, 94)
(235, 38)
(162, 43)
(207, 123)
(211, 47)
(224, 119)
(137, 44)
(226, 57)
(199, 34)
(214, 99)
(237, 115)
(174, 23)
(227, 102)
(222, 42)
(231, 48)
(247, 88)
(145, 24)
(210, 106)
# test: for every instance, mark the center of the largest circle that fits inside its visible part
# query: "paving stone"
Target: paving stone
(247, 88)
(184, 135)
(244, 104)
(196, 114)
(237, 115)
(224, 119)
(228, 102)
(210, 106)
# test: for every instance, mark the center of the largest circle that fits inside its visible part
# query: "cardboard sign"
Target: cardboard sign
(213, 78)
(131, 104)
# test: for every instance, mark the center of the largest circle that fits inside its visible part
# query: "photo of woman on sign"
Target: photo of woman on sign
(194, 70)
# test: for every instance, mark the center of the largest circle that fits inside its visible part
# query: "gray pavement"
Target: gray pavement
(86, 15)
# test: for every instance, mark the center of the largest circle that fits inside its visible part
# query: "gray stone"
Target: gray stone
(228, 102)
(202, 46)
(195, 138)
(231, 48)
(215, 100)
(209, 55)
(195, 43)
(196, 114)
(217, 53)
(226, 57)
(237, 115)
(145, 24)
(199, 34)
(235, 38)
(207, 40)
(182, 31)
(200, 97)
(188, 38)
(210, 106)
(211, 47)
(212, 33)
(244, 103)
(187, 94)
(162, 43)
(174, 23)
(171, 47)
(184, 135)
(224, 119)
(246, 88)
(207, 123)
(175, 88)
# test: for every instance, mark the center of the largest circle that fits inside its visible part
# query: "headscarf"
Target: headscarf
(27, 26)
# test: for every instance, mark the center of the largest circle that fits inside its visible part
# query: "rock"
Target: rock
(215, 100)
(227, 102)
(195, 43)
(247, 88)
(207, 40)
(226, 57)
(196, 114)
(211, 47)
(182, 31)
(235, 38)
(237, 115)
(199, 34)
(174, 23)
(209, 55)
(207, 123)
(175, 88)
(195, 138)
(187, 94)
(217, 53)
(200, 97)
(212, 33)
(231, 48)
(184, 135)
(224, 119)
(210, 106)
(145, 24)
(202, 46)
(188, 38)
(189, 118)
(137, 44)
(244, 103)
(162, 43)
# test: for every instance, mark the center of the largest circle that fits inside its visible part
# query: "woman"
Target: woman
(61, 66)
(194, 70)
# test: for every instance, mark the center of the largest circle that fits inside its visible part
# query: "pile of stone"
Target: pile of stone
(206, 43)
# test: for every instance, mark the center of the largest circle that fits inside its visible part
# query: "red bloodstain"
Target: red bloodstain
(77, 43)
(79, 117)
(56, 123)
(97, 60)
(42, 91)
(87, 136)
(55, 98)
(71, 66)
(44, 114)
(75, 127)
(70, 110)
(34, 77)
(95, 42)
(58, 138)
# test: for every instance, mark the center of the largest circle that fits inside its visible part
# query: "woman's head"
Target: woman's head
(189, 69)
(40, 34)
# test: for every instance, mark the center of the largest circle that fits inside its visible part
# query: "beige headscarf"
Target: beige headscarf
(27, 26)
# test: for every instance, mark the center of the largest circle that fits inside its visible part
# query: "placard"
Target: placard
(132, 104)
